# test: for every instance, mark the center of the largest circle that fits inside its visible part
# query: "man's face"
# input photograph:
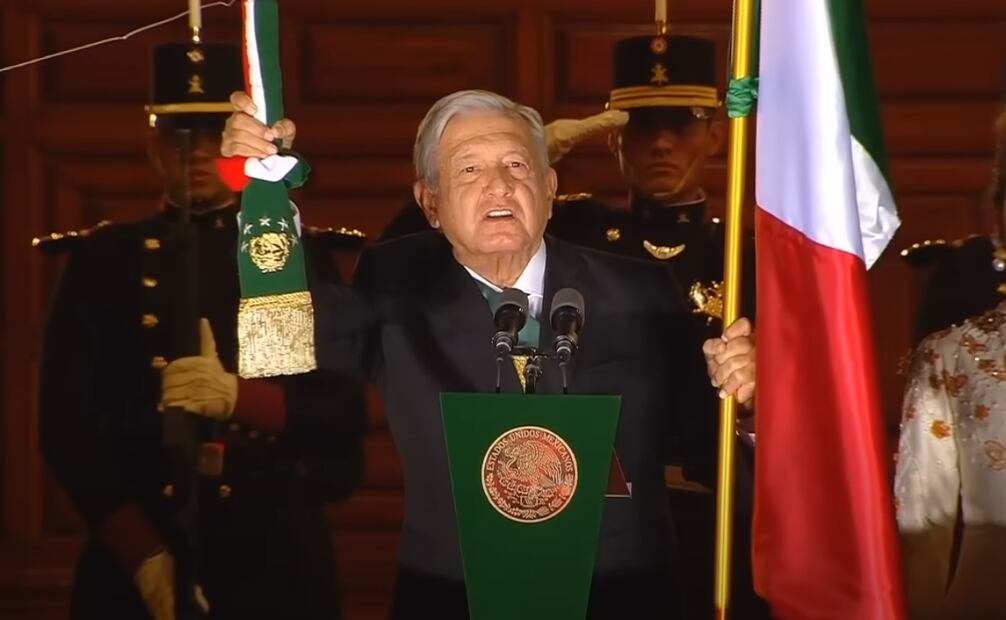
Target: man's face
(663, 151)
(206, 188)
(492, 196)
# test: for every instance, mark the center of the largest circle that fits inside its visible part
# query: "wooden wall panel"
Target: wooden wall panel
(923, 60)
(410, 63)
(919, 128)
(359, 76)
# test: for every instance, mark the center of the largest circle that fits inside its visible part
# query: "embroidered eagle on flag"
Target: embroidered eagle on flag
(275, 316)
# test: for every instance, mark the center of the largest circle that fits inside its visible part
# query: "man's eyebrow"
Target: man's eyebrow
(523, 152)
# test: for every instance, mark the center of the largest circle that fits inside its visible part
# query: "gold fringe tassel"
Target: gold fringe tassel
(276, 335)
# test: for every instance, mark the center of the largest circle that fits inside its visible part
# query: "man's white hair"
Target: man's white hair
(431, 130)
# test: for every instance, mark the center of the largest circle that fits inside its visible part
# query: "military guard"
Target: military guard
(968, 276)
(666, 84)
(267, 466)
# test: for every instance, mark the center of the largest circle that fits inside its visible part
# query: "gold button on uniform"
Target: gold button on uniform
(157, 362)
(152, 244)
(224, 491)
(169, 490)
(150, 320)
(149, 282)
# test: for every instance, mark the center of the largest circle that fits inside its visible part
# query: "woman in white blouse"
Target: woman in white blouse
(950, 485)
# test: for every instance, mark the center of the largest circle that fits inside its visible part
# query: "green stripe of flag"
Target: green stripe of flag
(852, 48)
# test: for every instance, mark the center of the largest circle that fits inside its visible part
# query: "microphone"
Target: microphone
(509, 319)
(567, 319)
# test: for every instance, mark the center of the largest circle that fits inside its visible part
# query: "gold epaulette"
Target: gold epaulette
(564, 198)
(925, 253)
(338, 238)
(57, 243)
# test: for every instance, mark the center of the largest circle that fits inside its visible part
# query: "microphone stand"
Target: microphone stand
(532, 368)
(532, 372)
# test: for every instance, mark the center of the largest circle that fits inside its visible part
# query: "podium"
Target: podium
(529, 474)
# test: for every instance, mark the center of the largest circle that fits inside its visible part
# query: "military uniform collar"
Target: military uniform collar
(673, 213)
(222, 216)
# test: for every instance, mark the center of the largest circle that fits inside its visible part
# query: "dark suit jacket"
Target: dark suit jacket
(417, 325)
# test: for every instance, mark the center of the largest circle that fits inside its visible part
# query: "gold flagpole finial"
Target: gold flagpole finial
(195, 18)
(661, 17)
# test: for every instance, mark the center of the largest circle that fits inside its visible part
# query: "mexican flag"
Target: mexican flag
(825, 541)
(276, 315)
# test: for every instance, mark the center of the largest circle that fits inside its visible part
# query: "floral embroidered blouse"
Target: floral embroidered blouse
(950, 485)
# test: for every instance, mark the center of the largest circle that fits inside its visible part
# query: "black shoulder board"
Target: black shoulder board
(337, 238)
(58, 243)
(926, 253)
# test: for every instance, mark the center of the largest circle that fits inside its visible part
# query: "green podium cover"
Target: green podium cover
(529, 474)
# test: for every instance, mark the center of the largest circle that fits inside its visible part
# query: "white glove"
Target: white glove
(200, 385)
(563, 134)
(155, 579)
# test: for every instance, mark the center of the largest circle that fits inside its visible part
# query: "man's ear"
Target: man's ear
(552, 183)
(615, 141)
(426, 199)
(717, 136)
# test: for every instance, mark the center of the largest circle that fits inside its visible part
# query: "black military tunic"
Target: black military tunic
(265, 544)
(683, 236)
(967, 278)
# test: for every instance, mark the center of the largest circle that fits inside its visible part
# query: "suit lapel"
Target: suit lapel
(563, 268)
(461, 329)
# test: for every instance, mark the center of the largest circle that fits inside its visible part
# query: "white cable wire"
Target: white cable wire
(81, 48)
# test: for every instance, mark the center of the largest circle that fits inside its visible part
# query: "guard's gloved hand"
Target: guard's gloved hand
(200, 384)
(155, 579)
(563, 134)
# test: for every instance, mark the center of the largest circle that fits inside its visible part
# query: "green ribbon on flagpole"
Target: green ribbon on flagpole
(742, 95)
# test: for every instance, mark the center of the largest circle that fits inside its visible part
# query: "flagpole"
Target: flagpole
(737, 168)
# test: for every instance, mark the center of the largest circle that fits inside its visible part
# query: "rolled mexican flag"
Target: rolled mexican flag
(275, 317)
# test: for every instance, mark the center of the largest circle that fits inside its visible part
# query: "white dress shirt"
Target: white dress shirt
(531, 281)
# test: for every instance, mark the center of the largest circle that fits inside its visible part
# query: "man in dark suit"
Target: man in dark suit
(417, 323)
(264, 545)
